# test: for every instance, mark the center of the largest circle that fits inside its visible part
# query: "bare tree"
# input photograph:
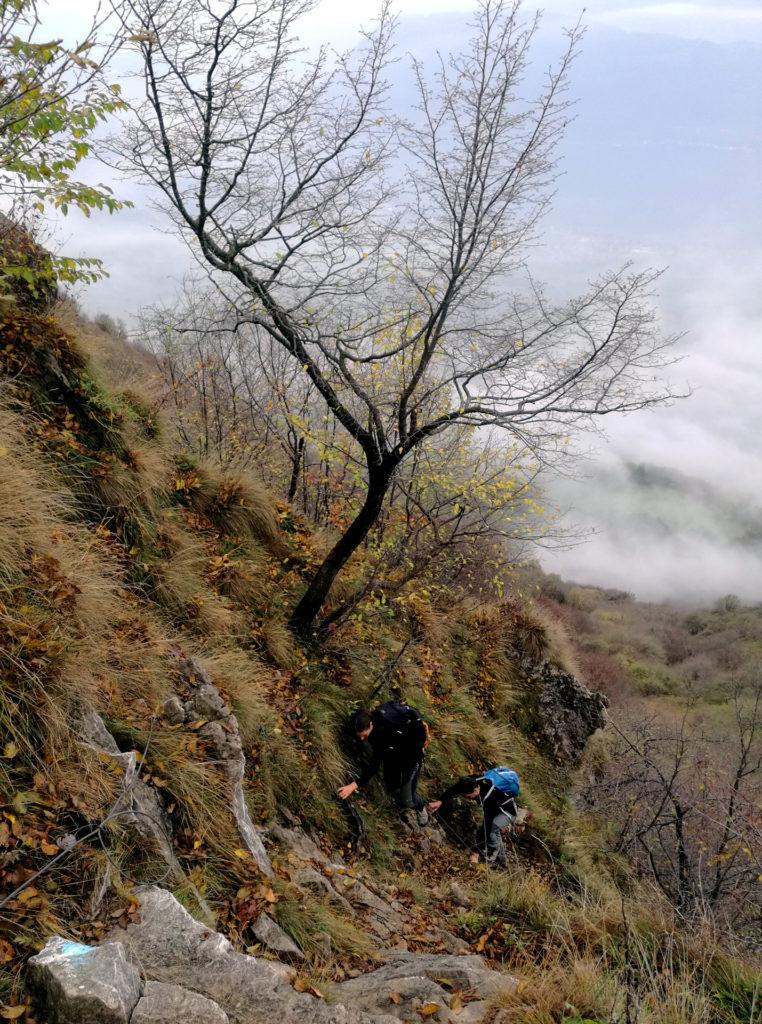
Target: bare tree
(389, 289)
(683, 801)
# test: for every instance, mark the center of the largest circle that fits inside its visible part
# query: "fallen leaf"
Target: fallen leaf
(10, 750)
(242, 854)
(6, 951)
(12, 1012)
(429, 1009)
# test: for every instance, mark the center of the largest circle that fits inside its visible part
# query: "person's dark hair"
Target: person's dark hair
(359, 721)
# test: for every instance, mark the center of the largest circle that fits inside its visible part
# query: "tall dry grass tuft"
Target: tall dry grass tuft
(236, 505)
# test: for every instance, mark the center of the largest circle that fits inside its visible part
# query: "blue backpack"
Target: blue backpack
(504, 779)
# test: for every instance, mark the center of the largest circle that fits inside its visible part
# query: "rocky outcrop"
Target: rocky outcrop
(173, 948)
(560, 709)
(75, 983)
(138, 804)
(191, 973)
(203, 701)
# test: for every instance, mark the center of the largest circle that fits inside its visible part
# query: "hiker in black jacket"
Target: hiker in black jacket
(499, 811)
(397, 736)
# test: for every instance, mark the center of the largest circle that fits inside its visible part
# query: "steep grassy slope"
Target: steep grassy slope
(120, 558)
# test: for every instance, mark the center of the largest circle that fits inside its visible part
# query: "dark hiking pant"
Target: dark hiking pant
(401, 781)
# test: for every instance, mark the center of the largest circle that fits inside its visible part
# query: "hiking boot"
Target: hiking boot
(422, 816)
(409, 818)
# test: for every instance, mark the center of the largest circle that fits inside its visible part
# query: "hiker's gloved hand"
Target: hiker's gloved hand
(347, 790)
(433, 805)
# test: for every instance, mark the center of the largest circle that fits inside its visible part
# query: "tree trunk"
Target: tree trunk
(296, 462)
(303, 617)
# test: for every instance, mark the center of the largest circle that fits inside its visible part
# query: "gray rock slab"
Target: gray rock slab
(359, 895)
(474, 1013)
(272, 935)
(298, 842)
(468, 973)
(310, 880)
(400, 997)
(172, 947)
(171, 1004)
(79, 984)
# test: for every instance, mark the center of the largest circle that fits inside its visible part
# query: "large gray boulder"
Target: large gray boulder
(173, 948)
(171, 1004)
(78, 984)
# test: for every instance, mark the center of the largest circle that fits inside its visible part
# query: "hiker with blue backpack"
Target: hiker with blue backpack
(496, 791)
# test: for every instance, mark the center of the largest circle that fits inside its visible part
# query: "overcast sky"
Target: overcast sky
(661, 167)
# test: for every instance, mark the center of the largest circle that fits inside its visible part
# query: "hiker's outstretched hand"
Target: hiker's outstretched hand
(347, 790)
(433, 805)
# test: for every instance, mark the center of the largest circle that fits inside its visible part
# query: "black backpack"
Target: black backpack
(401, 716)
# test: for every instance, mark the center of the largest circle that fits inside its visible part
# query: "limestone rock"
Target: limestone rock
(221, 734)
(359, 895)
(403, 997)
(171, 1004)
(174, 711)
(468, 973)
(139, 804)
(298, 842)
(172, 947)
(75, 983)
(452, 943)
(476, 1013)
(272, 935)
(312, 881)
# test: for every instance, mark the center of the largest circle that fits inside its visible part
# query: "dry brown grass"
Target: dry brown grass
(235, 504)
(560, 987)
(279, 643)
(558, 646)
(242, 678)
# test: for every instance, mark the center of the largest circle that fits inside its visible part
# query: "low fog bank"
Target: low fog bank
(660, 535)
(675, 495)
